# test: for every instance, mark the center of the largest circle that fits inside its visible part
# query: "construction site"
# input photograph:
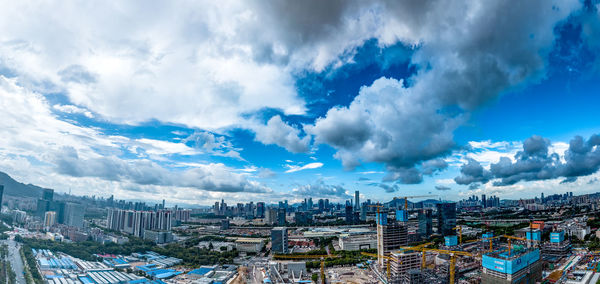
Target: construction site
(485, 259)
(532, 254)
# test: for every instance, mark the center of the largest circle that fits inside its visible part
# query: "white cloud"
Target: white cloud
(73, 109)
(49, 152)
(293, 169)
(277, 132)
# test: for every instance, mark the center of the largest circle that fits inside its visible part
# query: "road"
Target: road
(15, 260)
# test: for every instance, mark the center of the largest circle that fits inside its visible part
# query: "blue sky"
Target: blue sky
(265, 100)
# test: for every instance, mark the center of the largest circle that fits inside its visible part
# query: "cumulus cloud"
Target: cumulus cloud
(293, 168)
(50, 152)
(321, 189)
(405, 124)
(536, 162)
(217, 145)
(277, 132)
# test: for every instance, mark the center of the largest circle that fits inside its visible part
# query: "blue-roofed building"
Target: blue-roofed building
(521, 266)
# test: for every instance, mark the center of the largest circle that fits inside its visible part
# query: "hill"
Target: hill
(15, 188)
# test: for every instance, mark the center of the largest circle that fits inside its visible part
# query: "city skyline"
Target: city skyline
(257, 101)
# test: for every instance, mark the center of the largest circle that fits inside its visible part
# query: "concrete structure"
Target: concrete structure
(390, 236)
(557, 248)
(522, 266)
(279, 240)
(254, 245)
(357, 242)
(401, 263)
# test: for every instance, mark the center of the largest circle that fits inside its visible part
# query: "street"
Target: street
(15, 260)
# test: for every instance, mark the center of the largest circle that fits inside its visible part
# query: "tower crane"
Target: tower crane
(459, 228)
(308, 256)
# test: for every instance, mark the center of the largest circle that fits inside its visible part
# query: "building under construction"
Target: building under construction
(557, 248)
(517, 265)
(402, 262)
(391, 235)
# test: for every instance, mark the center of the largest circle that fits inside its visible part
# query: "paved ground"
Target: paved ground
(15, 260)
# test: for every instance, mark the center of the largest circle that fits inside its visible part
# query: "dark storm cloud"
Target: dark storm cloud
(535, 162)
(472, 172)
(210, 177)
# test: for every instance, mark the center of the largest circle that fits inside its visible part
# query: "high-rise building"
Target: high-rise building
(310, 203)
(356, 200)
(281, 216)
(483, 201)
(391, 235)
(49, 219)
(260, 210)
(279, 240)
(349, 214)
(321, 205)
(48, 194)
(73, 215)
(216, 209)
(446, 216)
(425, 223)
(270, 215)
(1, 195)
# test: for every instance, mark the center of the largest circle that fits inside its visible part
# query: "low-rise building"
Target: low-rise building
(357, 242)
(253, 245)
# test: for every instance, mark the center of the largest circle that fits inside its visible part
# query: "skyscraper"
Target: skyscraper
(356, 200)
(349, 215)
(279, 240)
(483, 201)
(281, 216)
(446, 213)
(73, 215)
(425, 223)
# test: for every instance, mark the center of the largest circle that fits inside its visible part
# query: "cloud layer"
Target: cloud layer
(537, 162)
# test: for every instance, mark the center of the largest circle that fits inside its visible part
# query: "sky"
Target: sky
(198, 101)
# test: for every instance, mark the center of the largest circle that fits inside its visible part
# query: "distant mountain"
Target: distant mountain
(15, 188)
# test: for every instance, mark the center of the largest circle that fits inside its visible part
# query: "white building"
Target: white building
(254, 245)
(357, 242)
